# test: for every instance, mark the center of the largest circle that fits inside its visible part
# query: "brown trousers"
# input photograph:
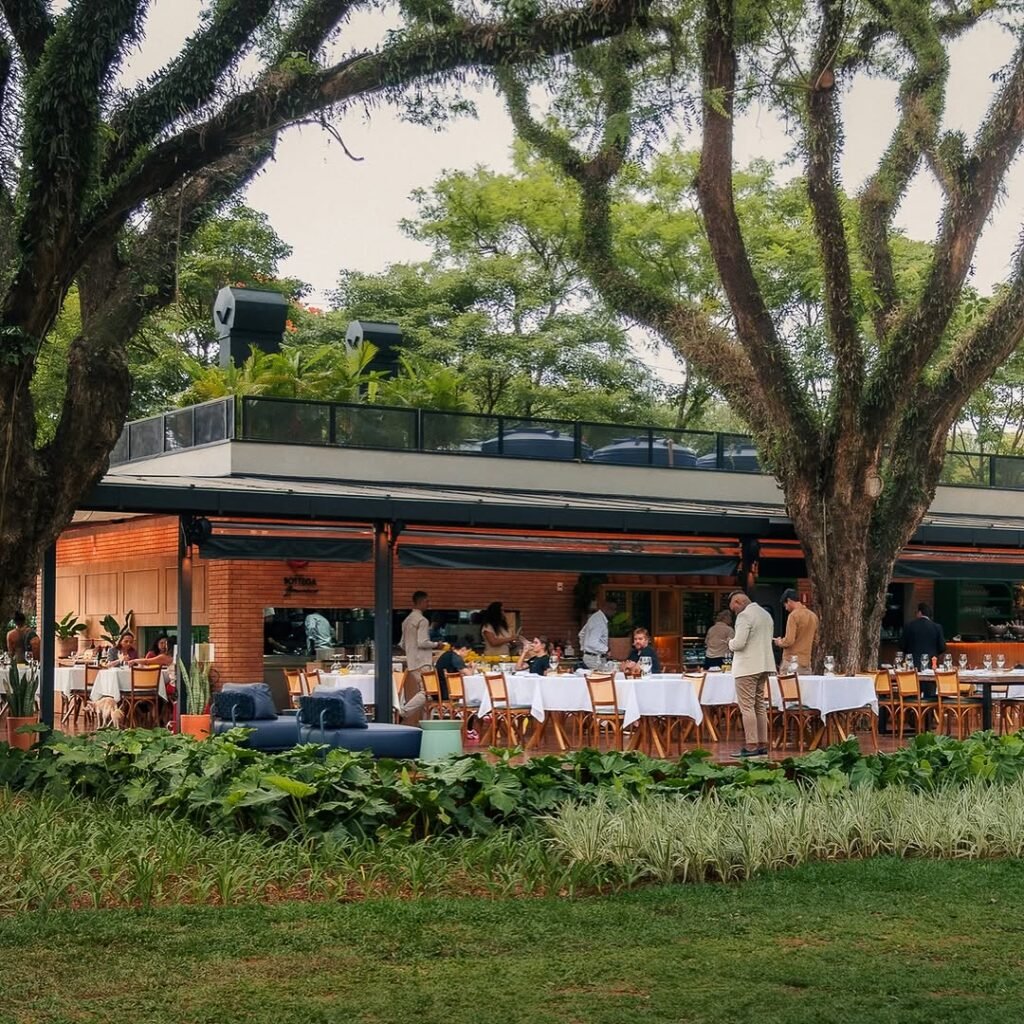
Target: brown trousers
(751, 696)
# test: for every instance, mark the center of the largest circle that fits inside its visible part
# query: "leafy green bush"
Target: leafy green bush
(222, 784)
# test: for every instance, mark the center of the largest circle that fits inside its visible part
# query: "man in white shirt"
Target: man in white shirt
(594, 635)
(418, 649)
(318, 633)
(753, 659)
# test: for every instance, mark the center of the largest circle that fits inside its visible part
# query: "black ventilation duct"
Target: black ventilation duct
(247, 318)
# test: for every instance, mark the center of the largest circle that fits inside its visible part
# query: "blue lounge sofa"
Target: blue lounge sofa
(284, 731)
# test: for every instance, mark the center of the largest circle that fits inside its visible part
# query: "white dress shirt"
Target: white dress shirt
(594, 634)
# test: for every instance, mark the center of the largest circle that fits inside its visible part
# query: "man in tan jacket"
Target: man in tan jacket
(419, 654)
(752, 661)
(801, 629)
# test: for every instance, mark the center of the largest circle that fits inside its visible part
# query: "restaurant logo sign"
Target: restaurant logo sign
(297, 583)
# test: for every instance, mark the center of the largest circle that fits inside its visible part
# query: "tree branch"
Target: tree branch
(189, 81)
(30, 25)
(286, 95)
(784, 400)
(61, 148)
(918, 333)
(922, 101)
(823, 137)
(686, 327)
(114, 305)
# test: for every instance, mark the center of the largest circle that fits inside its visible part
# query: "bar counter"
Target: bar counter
(1011, 650)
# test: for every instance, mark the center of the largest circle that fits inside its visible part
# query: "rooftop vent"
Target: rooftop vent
(247, 318)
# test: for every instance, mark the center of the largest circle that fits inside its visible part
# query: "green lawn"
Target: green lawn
(868, 941)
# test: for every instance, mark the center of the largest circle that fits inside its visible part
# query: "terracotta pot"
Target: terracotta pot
(23, 740)
(66, 646)
(195, 725)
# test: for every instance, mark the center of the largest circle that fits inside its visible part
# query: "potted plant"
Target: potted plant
(21, 701)
(196, 720)
(67, 631)
(113, 630)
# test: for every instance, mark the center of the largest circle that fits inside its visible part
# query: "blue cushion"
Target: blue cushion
(350, 700)
(326, 712)
(234, 705)
(260, 693)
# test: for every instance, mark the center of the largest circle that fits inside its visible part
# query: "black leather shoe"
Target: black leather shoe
(744, 753)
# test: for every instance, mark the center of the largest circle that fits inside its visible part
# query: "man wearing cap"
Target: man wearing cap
(801, 629)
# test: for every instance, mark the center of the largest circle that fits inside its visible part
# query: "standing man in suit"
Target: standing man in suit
(752, 660)
(923, 638)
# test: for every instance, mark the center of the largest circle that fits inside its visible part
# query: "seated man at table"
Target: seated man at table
(642, 648)
(536, 657)
(453, 660)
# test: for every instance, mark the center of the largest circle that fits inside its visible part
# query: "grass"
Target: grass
(879, 940)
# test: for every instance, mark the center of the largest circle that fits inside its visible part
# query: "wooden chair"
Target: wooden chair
(908, 693)
(794, 711)
(312, 679)
(685, 727)
(952, 704)
(77, 702)
(512, 718)
(296, 685)
(432, 686)
(142, 702)
(604, 707)
(454, 706)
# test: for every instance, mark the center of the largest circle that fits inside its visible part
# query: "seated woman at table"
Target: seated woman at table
(160, 654)
(642, 648)
(452, 661)
(716, 643)
(125, 652)
(536, 657)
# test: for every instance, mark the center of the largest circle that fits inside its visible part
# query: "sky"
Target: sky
(338, 214)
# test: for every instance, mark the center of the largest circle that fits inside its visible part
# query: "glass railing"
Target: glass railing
(395, 428)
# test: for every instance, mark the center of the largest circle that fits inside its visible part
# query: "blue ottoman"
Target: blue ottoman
(382, 739)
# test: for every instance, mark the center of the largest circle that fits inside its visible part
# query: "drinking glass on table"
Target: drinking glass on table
(830, 665)
(899, 660)
(553, 662)
(947, 662)
(987, 662)
(646, 665)
(1000, 662)
(963, 662)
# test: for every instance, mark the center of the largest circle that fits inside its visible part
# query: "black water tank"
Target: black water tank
(247, 318)
(385, 337)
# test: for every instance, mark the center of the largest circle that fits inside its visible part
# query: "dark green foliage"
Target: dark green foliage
(336, 792)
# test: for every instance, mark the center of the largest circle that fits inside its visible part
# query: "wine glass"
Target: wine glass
(899, 660)
(553, 662)
(963, 662)
(987, 662)
(1000, 662)
(926, 663)
(830, 665)
(646, 665)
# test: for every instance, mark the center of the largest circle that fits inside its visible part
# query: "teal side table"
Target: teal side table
(441, 737)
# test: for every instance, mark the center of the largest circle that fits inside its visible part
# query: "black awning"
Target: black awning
(436, 557)
(313, 549)
(988, 569)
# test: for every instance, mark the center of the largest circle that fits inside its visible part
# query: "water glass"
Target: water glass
(987, 662)
(899, 660)
(553, 662)
(1000, 662)
(830, 664)
(963, 662)
(947, 662)
(645, 666)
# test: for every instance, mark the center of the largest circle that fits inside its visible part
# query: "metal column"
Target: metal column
(47, 639)
(184, 651)
(384, 535)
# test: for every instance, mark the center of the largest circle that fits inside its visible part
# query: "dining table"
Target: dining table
(985, 680)
(361, 681)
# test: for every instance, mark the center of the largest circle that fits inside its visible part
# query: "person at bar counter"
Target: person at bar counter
(753, 659)
(923, 638)
(801, 629)
(716, 642)
(495, 630)
(642, 648)
(594, 635)
(536, 657)
(418, 649)
(318, 632)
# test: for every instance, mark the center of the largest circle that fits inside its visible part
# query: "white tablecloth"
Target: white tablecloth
(5, 686)
(1013, 679)
(113, 682)
(68, 678)
(363, 682)
(637, 697)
